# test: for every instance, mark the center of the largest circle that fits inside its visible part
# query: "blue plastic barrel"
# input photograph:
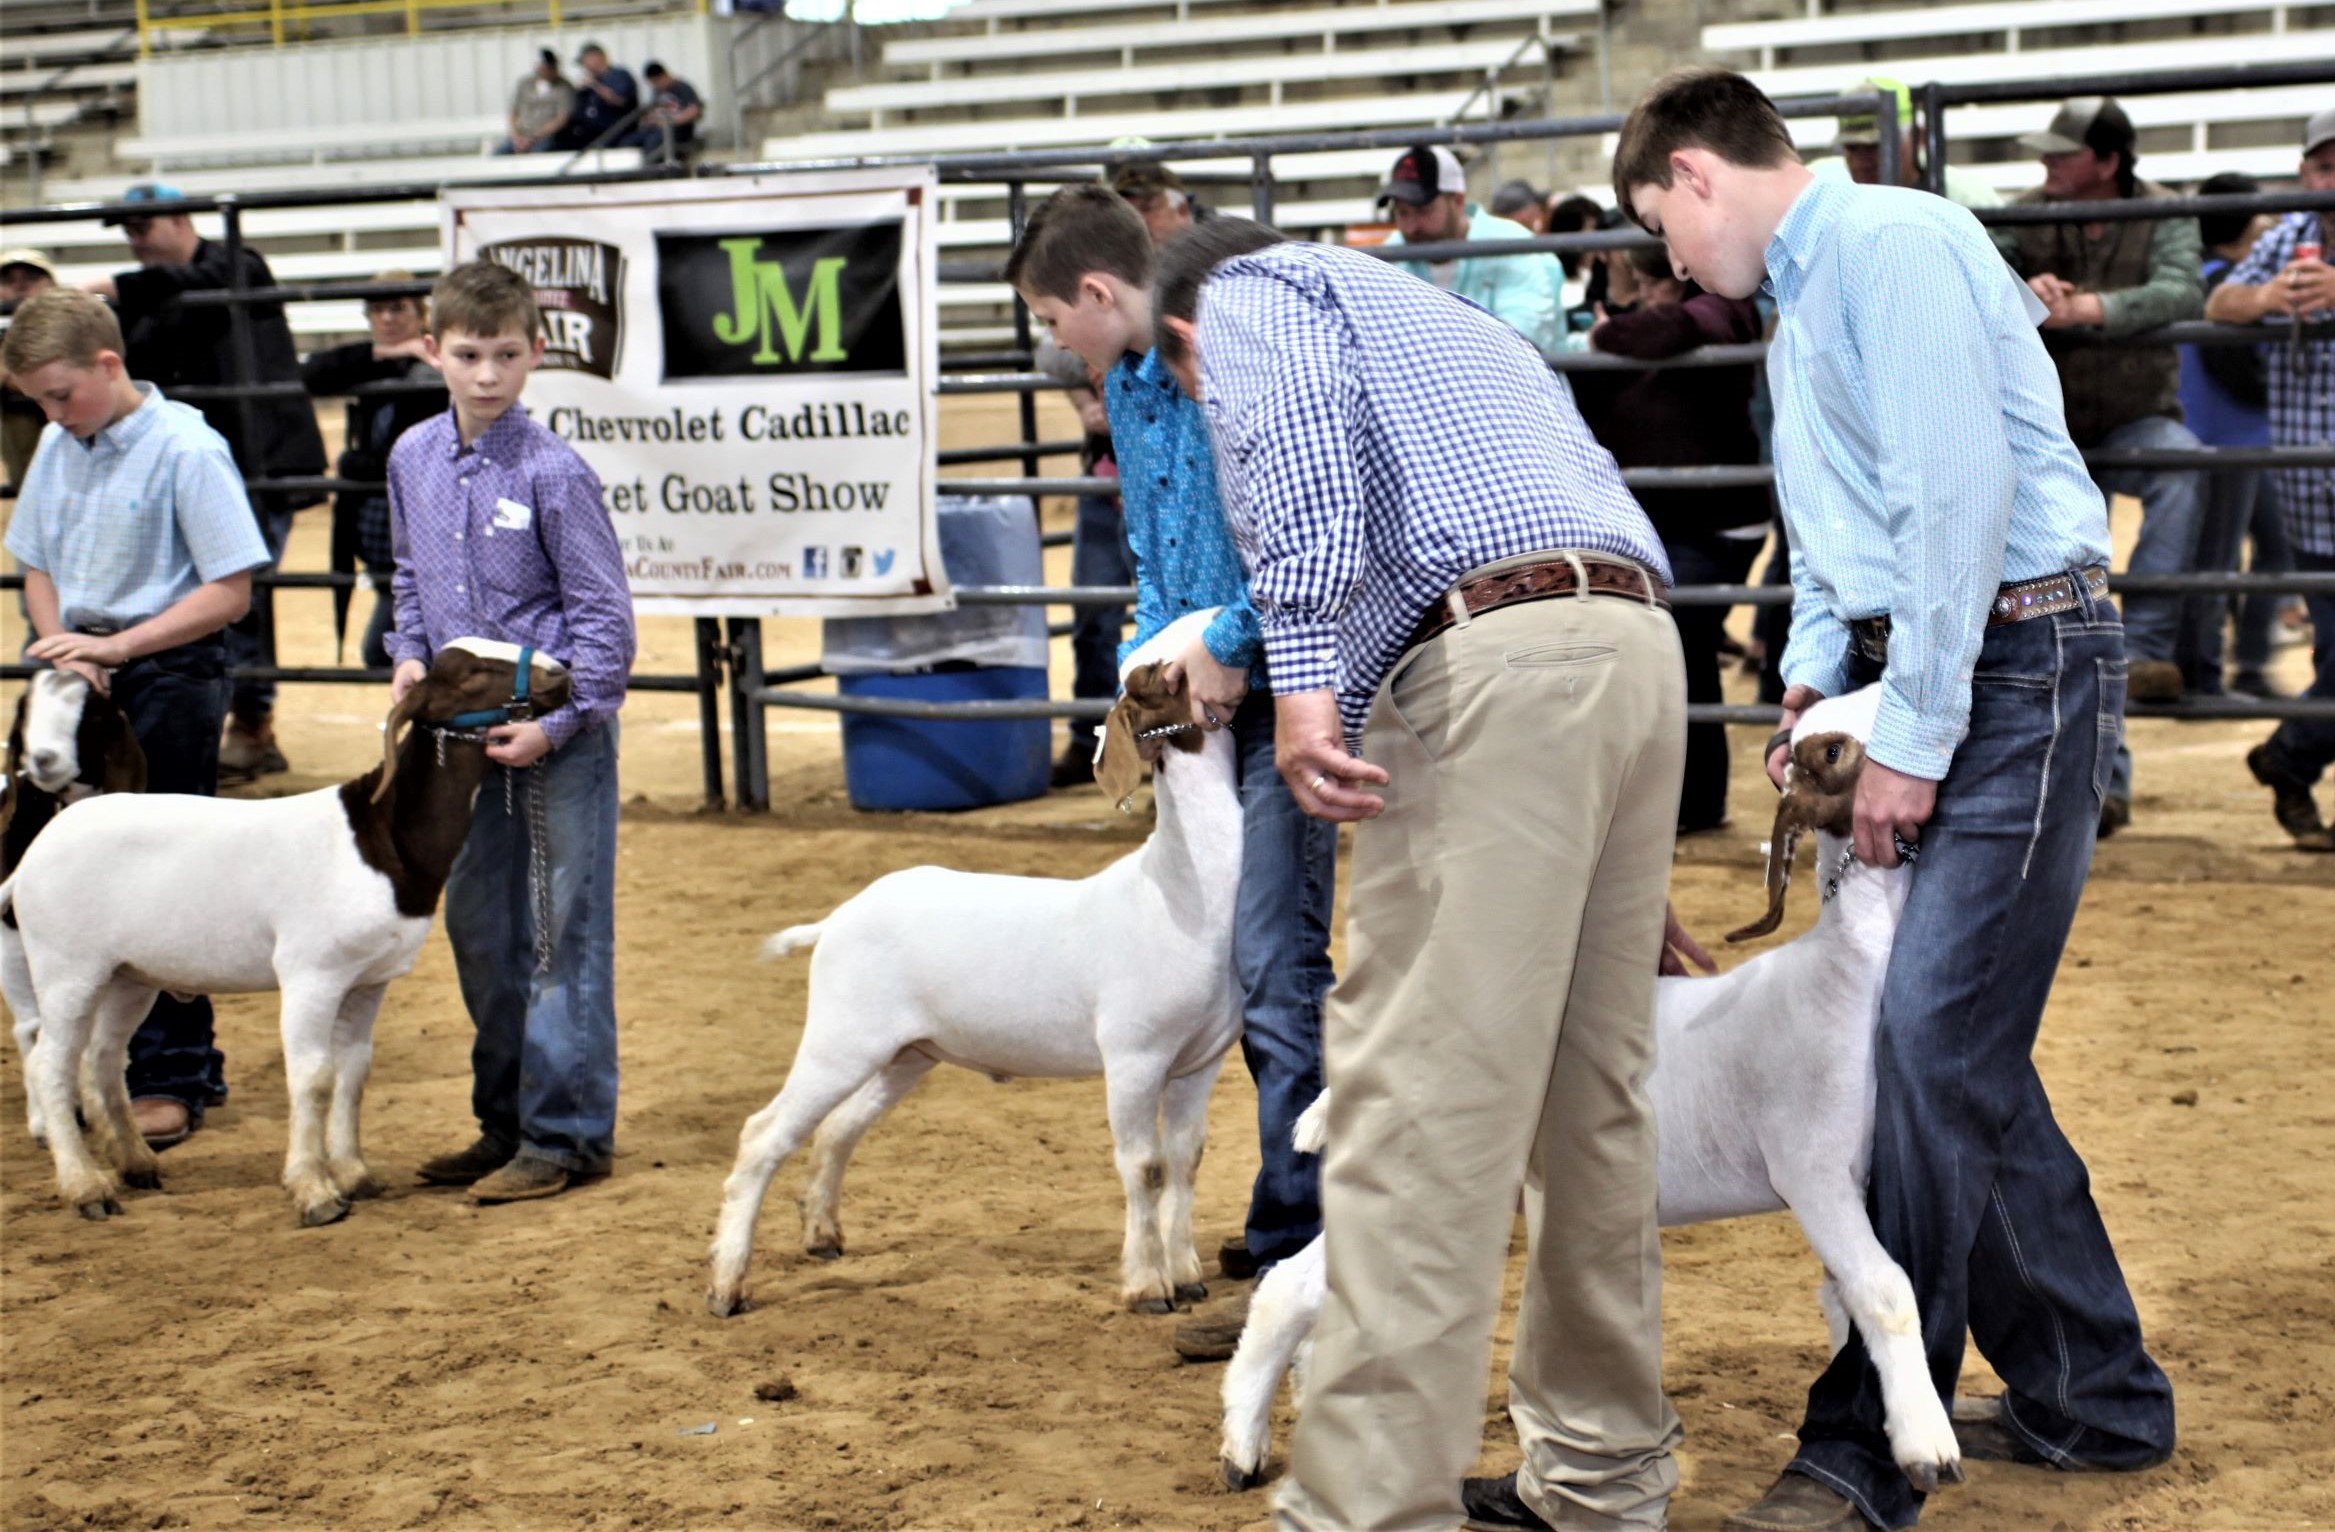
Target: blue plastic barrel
(908, 763)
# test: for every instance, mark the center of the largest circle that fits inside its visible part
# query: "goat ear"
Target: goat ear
(1119, 762)
(16, 728)
(401, 713)
(1783, 840)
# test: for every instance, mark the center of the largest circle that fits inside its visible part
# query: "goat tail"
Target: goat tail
(1313, 1126)
(791, 940)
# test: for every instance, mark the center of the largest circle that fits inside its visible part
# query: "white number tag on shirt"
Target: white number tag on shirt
(511, 516)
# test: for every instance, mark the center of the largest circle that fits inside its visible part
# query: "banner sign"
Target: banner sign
(748, 365)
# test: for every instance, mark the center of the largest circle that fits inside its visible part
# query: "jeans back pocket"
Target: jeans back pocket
(2109, 678)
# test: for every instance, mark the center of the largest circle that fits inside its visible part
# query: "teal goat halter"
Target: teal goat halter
(519, 709)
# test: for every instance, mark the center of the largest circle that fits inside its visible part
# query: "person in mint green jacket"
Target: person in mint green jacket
(1428, 192)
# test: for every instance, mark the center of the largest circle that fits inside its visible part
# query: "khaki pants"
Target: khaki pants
(1493, 1028)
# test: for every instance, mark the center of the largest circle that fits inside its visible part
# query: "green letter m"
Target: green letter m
(760, 294)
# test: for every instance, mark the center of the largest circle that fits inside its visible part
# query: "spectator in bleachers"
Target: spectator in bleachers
(2285, 281)
(605, 96)
(1858, 146)
(2107, 280)
(540, 107)
(1573, 215)
(174, 344)
(22, 274)
(395, 353)
(1159, 197)
(1517, 202)
(2224, 400)
(1428, 193)
(676, 106)
(1680, 418)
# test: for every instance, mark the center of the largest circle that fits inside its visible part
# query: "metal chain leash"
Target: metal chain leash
(538, 857)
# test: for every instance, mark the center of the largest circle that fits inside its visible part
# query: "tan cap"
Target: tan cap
(2088, 122)
(26, 256)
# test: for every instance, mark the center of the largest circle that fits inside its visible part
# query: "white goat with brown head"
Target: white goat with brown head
(325, 896)
(69, 741)
(1763, 1099)
(1127, 974)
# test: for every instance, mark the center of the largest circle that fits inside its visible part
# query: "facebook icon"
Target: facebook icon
(814, 563)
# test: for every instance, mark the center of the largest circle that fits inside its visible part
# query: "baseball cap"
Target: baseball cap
(144, 191)
(24, 255)
(2319, 130)
(1425, 172)
(2088, 122)
(1867, 129)
(1145, 178)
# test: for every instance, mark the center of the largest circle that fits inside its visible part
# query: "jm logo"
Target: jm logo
(767, 313)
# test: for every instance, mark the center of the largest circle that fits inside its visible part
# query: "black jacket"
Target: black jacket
(173, 344)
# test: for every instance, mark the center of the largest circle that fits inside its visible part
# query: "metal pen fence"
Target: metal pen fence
(729, 651)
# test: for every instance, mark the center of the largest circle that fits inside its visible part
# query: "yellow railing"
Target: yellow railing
(276, 13)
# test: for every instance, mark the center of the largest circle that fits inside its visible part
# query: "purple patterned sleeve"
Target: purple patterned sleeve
(594, 596)
(405, 639)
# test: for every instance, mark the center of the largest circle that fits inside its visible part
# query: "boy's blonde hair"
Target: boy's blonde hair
(59, 326)
(482, 298)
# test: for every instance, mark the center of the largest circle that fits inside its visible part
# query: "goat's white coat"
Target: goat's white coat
(1763, 1099)
(51, 764)
(124, 896)
(1126, 974)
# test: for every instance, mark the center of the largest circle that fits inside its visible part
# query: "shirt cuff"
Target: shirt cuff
(1231, 641)
(1829, 677)
(1917, 744)
(1302, 659)
(562, 724)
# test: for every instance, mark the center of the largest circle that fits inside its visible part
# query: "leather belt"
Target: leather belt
(2016, 601)
(1539, 582)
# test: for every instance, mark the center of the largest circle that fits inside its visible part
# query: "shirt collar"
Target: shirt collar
(125, 432)
(496, 442)
(1802, 230)
(1150, 369)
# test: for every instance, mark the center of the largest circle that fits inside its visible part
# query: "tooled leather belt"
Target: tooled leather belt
(2016, 601)
(1539, 582)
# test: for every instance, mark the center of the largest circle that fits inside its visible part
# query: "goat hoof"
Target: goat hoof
(824, 1252)
(1922, 1476)
(1151, 1306)
(1950, 1473)
(1237, 1478)
(362, 1189)
(1191, 1292)
(146, 1180)
(725, 1305)
(317, 1214)
(99, 1210)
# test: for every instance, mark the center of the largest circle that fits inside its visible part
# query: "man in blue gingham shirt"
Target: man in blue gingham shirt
(1386, 449)
(1431, 443)
(2276, 285)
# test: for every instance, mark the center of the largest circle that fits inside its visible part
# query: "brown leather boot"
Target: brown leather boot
(1797, 1503)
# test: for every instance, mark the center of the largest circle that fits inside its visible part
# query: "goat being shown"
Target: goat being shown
(1763, 1099)
(1126, 974)
(69, 741)
(325, 896)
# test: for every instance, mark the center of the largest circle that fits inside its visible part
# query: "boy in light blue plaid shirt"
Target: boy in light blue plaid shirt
(138, 543)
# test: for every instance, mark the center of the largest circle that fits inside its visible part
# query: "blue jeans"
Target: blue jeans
(1706, 560)
(1098, 556)
(543, 1066)
(1974, 1190)
(175, 701)
(2305, 747)
(2172, 511)
(249, 641)
(1281, 955)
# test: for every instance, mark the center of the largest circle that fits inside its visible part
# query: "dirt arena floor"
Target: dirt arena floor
(202, 1362)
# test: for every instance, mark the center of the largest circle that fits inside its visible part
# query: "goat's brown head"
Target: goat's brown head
(1152, 700)
(471, 682)
(66, 731)
(1820, 793)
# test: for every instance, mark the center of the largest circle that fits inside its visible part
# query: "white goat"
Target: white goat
(325, 896)
(1763, 1099)
(1127, 974)
(69, 741)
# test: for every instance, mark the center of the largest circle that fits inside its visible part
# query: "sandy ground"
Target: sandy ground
(202, 1362)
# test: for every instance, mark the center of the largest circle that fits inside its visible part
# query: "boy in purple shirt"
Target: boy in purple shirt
(500, 533)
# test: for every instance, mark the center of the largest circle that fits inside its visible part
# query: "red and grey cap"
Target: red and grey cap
(1425, 172)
